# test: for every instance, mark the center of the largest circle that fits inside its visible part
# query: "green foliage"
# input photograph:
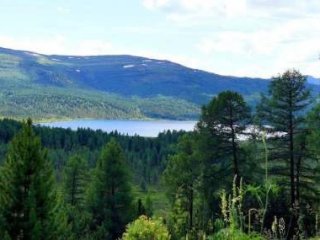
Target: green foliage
(145, 228)
(284, 110)
(217, 145)
(232, 207)
(52, 103)
(28, 200)
(234, 234)
(75, 186)
(225, 117)
(106, 179)
(76, 177)
(109, 196)
(181, 187)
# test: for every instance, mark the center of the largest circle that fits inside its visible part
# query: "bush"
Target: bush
(145, 228)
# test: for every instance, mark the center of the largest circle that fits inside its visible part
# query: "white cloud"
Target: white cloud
(291, 44)
(93, 47)
(59, 45)
(155, 4)
(47, 45)
(196, 11)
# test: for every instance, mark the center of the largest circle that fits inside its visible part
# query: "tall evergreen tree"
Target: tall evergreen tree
(181, 177)
(76, 177)
(225, 119)
(284, 110)
(28, 201)
(110, 200)
(75, 183)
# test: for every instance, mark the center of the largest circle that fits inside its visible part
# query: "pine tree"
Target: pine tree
(283, 110)
(110, 200)
(27, 191)
(224, 119)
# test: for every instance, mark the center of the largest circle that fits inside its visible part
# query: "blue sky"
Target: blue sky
(232, 37)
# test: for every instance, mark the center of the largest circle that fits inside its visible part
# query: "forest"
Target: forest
(243, 173)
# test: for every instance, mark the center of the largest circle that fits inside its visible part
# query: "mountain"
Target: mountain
(121, 86)
(313, 80)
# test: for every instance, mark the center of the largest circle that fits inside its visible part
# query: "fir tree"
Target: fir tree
(75, 183)
(28, 200)
(76, 177)
(181, 177)
(110, 201)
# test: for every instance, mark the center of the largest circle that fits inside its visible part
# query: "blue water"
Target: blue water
(144, 128)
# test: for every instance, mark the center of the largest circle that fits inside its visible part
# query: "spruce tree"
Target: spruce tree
(28, 201)
(75, 179)
(75, 183)
(110, 200)
(181, 177)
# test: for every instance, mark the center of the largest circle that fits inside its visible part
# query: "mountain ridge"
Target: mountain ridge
(110, 86)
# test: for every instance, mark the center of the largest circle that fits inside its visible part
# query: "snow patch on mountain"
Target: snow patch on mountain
(128, 66)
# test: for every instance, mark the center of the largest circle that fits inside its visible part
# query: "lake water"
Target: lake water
(145, 128)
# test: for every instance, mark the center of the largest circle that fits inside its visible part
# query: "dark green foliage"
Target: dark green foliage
(222, 121)
(110, 199)
(146, 157)
(76, 178)
(28, 200)
(181, 178)
(284, 110)
(225, 118)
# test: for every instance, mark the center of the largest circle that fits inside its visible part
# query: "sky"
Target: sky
(256, 38)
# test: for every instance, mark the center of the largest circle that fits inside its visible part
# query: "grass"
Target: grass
(160, 203)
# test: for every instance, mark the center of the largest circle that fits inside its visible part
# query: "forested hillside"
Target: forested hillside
(110, 87)
(206, 184)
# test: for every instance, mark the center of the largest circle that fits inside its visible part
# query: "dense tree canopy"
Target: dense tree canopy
(27, 191)
(110, 200)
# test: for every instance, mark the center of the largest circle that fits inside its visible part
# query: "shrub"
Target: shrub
(145, 228)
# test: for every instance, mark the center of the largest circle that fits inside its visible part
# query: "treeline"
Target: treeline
(60, 184)
(242, 174)
(52, 103)
(146, 157)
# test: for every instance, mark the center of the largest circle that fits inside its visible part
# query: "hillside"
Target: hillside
(52, 86)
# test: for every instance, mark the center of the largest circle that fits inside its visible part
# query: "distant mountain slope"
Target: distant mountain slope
(313, 80)
(52, 86)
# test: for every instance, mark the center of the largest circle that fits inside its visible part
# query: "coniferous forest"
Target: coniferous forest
(244, 173)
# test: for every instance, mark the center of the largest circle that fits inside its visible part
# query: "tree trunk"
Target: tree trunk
(295, 212)
(191, 208)
(234, 150)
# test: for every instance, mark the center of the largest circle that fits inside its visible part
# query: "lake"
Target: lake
(144, 128)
